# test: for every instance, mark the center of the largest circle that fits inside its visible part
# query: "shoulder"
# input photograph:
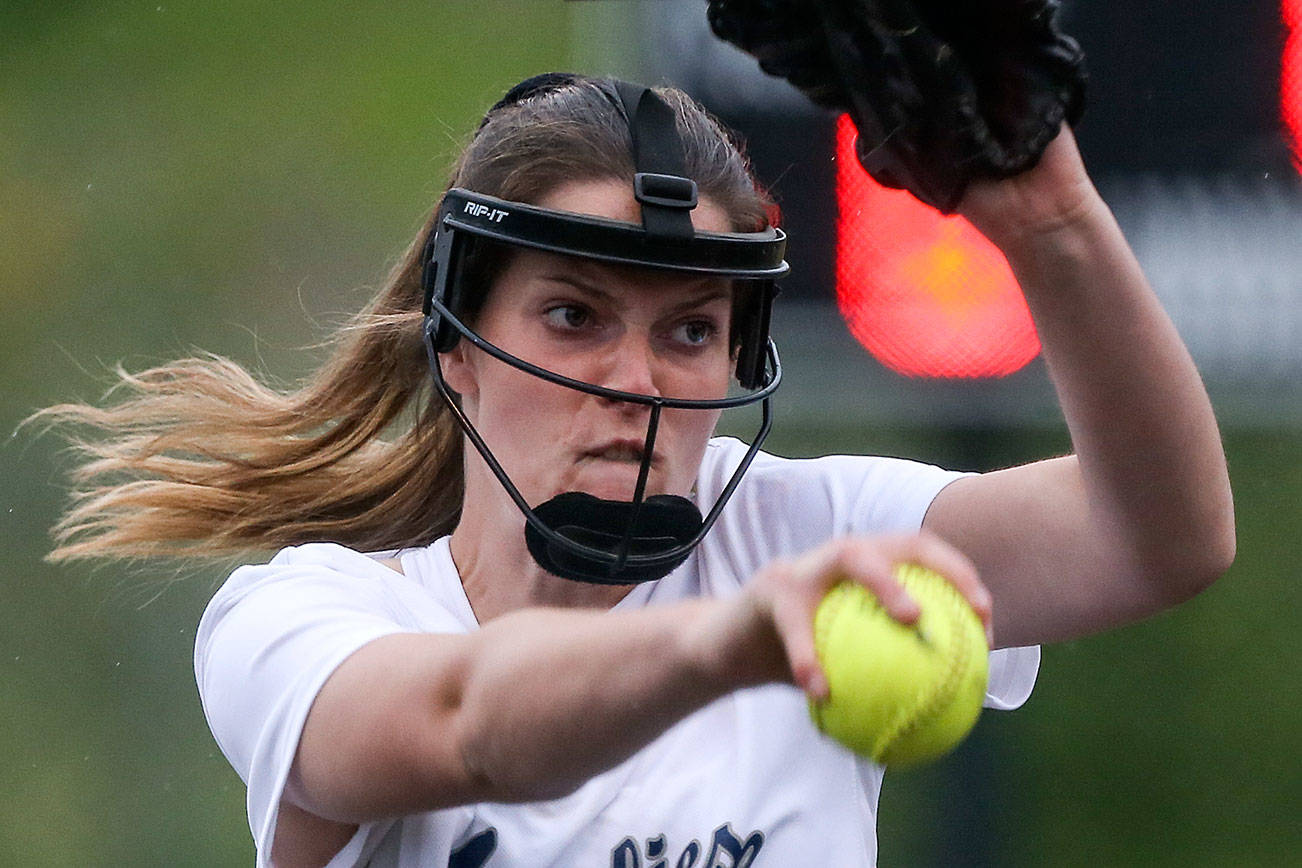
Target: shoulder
(322, 565)
(326, 583)
(785, 506)
(856, 493)
(277, 630)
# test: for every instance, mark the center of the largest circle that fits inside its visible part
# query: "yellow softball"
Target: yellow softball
(900, 694)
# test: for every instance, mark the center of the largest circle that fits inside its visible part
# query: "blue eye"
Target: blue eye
(695, 333)
(568, 316)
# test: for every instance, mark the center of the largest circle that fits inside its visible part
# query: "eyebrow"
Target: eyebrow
(581, 284)
(578, 283)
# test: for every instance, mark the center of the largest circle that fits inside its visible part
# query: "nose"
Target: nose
(631, 366)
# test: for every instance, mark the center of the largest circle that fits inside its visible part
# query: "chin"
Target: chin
(622, 492)
(617, 482)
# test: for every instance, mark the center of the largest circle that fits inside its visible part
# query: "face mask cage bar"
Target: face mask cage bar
(750, 256)
(622, 559)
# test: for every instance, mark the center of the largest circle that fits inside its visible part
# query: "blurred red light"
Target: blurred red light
(1290, 78)
(926, 294)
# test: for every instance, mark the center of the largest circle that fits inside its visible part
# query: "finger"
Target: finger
(930, 551)
(872, 565)
(792, 610)
(795, 625)
(867, 561)
(936, 554)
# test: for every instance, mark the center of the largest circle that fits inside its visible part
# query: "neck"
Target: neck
(498, 573)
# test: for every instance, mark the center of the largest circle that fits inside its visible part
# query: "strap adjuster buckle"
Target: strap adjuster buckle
(667, 191)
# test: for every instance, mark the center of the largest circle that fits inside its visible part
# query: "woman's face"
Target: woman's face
(634, 329)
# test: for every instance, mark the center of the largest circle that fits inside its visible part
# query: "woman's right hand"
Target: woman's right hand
(771, 624)
(526, 708)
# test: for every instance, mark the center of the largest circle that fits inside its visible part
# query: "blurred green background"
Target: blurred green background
(239, 176)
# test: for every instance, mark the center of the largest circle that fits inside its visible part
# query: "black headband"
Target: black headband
(532, 87)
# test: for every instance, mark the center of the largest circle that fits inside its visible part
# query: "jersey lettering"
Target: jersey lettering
(474, 852)
(726, 851)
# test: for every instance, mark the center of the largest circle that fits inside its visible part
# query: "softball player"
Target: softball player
(586, 638)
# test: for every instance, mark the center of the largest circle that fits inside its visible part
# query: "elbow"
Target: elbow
(494, 772)
(474, 772)
(1201, 561)
(1220, 539)
(470, 745)
(452, 760)
(1197, 577)
(458, 764)
(1218, 550)
(500, 760)
(1222, 557)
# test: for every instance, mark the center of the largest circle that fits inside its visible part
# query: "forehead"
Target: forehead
(534, 272)
(613, 200)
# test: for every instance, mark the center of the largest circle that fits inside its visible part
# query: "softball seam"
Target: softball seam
(942, 693)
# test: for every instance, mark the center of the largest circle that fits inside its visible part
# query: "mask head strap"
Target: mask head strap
(660, 182)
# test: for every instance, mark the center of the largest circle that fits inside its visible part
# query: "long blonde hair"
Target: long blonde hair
(199, 457)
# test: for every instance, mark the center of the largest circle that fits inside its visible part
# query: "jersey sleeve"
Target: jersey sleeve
(787, 506)
(784, 506)
(269, 639)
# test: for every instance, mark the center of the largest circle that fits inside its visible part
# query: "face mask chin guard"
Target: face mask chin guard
(576, 535)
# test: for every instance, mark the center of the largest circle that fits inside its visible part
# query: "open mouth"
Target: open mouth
(620, 451)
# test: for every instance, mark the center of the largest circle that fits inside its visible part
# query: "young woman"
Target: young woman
(575, 642)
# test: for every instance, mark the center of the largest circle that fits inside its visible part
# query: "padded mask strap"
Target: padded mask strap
(661, 184)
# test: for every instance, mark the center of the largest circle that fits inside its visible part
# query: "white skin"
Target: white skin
(1137, 520)
(637, 330)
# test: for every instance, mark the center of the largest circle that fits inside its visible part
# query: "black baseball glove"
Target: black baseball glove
(941, 91)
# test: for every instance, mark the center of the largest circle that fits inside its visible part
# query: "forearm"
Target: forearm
(553, 697)
(1141, 423)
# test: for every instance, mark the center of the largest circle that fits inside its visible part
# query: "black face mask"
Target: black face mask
(577, 535)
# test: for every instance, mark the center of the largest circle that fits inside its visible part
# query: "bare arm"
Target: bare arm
(527, 708)
(541, 700)
(1141, 517)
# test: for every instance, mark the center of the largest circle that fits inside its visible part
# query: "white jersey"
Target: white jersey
(745, 781)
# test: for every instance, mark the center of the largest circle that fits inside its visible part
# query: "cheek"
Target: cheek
(691, 430)
(519, 410)
(696, 426)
